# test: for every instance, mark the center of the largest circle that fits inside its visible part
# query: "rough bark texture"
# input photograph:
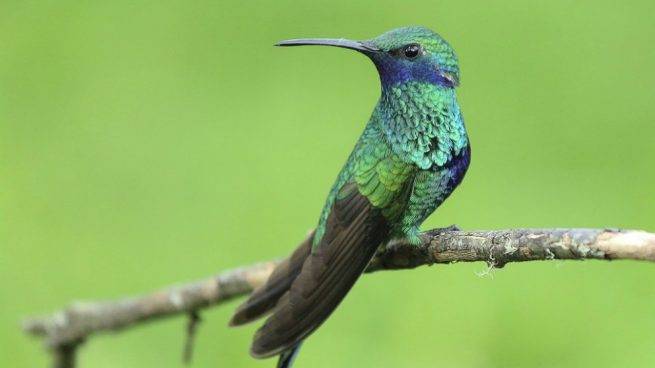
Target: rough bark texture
(64, 330)
(499, 247)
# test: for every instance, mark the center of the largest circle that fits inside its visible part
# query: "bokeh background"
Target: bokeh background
(152, 142)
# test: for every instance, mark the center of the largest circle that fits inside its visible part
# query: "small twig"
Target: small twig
(191, 328)
(64, 356)
(64, 329)
(82, 319)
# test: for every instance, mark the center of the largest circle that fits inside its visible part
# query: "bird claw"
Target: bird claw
(413, 236)
(442, 230)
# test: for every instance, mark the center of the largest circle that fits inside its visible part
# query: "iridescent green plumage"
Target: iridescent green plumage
(415, 130)
(412, 154)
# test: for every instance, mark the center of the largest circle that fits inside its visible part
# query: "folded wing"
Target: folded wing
(354, 230)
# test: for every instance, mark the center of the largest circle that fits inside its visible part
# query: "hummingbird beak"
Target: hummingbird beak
(361, 46)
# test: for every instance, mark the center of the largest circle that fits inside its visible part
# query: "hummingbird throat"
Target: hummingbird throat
(422, 122)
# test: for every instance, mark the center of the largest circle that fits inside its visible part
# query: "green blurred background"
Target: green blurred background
(153, 142)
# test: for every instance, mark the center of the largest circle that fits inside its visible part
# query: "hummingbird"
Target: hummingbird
(413, 153)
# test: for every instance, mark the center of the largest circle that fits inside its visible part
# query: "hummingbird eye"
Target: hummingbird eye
(412, 50)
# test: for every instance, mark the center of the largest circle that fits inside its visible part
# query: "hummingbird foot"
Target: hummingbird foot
(441, 230)
(413, 236)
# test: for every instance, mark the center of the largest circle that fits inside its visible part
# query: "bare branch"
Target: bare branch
(499, 247)
(82, 319)
(64, 329)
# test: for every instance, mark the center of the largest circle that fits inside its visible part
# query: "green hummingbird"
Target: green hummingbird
(413, 153)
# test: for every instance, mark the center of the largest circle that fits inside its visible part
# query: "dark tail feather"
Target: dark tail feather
(354, 230)
(288, 357)
(262, 300)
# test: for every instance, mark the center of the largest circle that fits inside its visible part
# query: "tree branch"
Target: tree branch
(65, 329)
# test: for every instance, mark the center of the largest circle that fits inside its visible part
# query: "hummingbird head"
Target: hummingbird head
(402, 55)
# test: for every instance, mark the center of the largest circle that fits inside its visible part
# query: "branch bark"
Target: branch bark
(64, 330)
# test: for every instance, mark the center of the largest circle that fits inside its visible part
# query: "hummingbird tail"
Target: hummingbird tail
(354, 229)
(264, 299)
(288, 357)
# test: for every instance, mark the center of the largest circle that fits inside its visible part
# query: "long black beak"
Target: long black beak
(361, 46)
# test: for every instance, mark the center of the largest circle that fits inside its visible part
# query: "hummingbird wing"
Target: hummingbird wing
(262, 300)
(354, 230)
